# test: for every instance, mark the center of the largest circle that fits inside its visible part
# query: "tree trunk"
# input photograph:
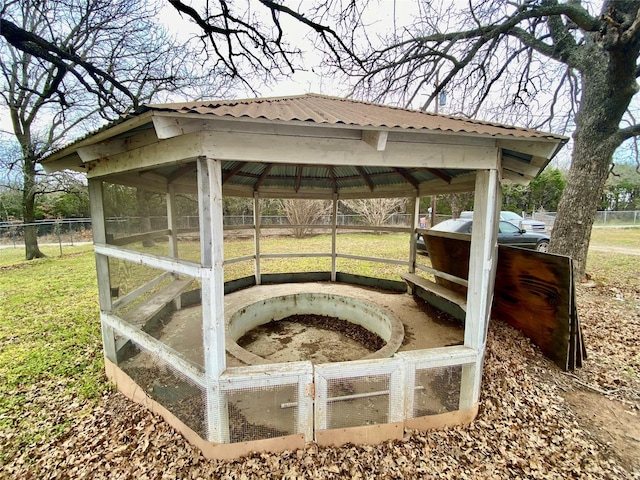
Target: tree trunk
(580, 200)
(28, 208)
(607, 89)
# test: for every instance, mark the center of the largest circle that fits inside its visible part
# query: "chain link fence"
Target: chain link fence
(74, 231)
(628, 218)
(56, 232)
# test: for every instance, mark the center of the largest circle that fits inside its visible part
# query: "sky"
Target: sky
(308, 78)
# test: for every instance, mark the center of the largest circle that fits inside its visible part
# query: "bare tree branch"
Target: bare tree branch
(38, 47)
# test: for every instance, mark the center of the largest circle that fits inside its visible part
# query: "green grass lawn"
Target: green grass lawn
(616, 237)
(49, 316)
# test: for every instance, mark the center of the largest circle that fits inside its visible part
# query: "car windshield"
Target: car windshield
(506, 227)
(510, 216)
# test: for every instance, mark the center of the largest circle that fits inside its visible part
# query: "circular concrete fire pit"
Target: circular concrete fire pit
(382, 323)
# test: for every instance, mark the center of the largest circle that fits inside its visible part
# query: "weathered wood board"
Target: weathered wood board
(534, 292)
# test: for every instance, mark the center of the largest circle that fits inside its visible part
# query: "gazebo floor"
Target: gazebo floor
(424, 327)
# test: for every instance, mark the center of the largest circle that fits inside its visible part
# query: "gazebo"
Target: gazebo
(156, 262)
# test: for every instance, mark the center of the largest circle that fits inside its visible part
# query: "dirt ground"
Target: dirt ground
(614, 424)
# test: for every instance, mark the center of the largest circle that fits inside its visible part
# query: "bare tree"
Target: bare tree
(376, 211)
(508, 59)
(304, 212)
(67, 64)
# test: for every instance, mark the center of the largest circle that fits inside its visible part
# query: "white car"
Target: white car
(533, 226)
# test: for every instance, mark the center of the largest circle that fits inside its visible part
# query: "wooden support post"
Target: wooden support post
(334, 233)
(172, 221)
(102, 266)
(172, 224)
(257, 220)
(482, 266)
(413, 238)
(212, 257)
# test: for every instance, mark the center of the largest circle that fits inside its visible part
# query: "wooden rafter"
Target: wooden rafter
(227, 176)
(365, 177)
(298, 178)
(407, 176)
(332, 176)
(262, 177)
(440, 174)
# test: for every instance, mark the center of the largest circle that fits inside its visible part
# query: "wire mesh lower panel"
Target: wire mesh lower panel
(437, 390)
(167, 386)
(256, 413)
(353, 402)
(358, 393)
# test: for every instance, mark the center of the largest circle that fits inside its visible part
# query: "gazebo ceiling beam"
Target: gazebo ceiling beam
(294, 150)
(332, 176)
(228, 175)
(114, 146)
(365, 177)
(519, 166)
(440, 174)
(530, 146)
(377, 139)
(298, 177)
(263, 177)
(407, 176)
(371, 178)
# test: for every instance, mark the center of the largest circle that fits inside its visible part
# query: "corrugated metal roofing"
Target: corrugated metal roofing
(316, 110)
(322, 109)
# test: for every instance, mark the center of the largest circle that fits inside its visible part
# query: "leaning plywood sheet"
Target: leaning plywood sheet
(534, 292)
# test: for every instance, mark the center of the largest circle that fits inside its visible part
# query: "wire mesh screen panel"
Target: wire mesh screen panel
(133, 211)
(437, 390)
(358, 401)
(257, 413)
(360, 393)
(435, 380)
(126, 277)
(164, 383)
(268, 401)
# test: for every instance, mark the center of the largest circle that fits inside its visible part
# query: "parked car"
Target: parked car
(512, 217)
(508, 234)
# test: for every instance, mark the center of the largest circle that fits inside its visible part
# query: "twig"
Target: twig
(591, 387)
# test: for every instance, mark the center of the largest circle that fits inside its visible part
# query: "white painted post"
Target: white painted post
(257, 219)
(172, 224)
(482, 265)
(212, 257)
(102, 266)
(334, 235)
(414, 236)
(305, 405)
(172, 221)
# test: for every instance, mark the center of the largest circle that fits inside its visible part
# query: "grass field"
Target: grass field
(50, 334)
(616, 237)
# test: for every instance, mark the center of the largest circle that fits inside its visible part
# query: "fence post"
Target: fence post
(57, 228)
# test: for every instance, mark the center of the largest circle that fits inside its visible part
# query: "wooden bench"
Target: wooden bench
(453, 303)
(144, 313)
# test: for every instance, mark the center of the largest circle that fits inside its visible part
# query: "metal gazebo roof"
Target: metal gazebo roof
(319, 129)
